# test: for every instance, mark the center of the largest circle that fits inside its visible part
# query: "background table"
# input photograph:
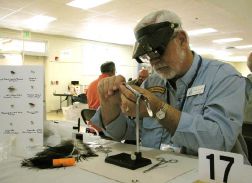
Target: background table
(66, 95)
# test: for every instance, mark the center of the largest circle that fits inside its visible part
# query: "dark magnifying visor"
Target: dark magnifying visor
(152, 41)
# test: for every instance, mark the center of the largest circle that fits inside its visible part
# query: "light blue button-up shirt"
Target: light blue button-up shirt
(211, 119)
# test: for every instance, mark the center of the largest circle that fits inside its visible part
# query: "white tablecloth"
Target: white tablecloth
(12, 172)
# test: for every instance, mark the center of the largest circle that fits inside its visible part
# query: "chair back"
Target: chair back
(87, 114)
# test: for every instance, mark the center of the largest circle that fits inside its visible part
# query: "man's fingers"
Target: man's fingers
(108, 86)
(127, 93)
(128, 107)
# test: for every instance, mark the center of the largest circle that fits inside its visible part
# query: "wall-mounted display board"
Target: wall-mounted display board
(21, 107)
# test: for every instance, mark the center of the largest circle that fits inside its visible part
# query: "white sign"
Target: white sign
(21, 106)
(223, 167)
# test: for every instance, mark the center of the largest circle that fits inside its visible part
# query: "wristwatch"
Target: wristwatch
(161, 113)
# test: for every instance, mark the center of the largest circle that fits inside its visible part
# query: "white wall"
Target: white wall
(241, 67)
(81, 62)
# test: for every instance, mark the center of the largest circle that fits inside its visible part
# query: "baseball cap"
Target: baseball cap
(153, 33)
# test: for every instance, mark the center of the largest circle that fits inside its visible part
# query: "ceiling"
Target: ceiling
(114, 22)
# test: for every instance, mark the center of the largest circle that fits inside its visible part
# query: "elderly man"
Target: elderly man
(195, 102)
(107, 69)
(142, 75)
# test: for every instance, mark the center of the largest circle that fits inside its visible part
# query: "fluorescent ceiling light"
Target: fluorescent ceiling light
(227, 40)
(244, 46)
(201, 31)
(87, 4)
(39, 21)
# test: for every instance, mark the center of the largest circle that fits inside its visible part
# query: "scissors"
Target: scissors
(161, 162)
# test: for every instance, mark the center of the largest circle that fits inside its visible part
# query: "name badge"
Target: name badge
(196, 90)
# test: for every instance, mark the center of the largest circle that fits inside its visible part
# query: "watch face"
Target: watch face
(160, 114)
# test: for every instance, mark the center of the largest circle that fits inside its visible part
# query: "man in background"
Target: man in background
(107, 69)
(142, 75)
(248, 106)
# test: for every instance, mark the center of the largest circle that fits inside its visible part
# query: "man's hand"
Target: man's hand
(109, 96)
(128, 106)
(128, 101)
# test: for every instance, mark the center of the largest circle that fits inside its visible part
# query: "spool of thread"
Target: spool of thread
(63, 162)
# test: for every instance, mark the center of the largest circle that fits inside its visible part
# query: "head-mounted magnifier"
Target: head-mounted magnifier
(152, 41)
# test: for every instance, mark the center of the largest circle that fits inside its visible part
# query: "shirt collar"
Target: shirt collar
(103, 76)
(188, 76)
